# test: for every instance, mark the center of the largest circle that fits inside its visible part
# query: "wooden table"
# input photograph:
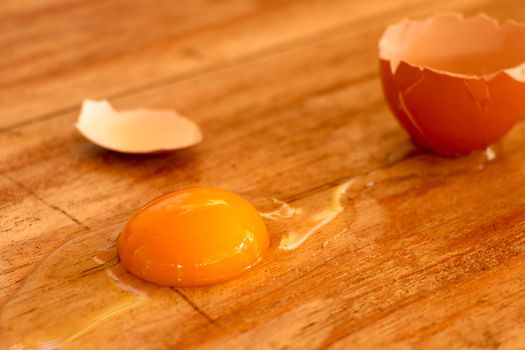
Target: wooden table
(427, 252)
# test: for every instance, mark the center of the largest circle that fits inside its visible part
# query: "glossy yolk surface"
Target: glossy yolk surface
(193, 237)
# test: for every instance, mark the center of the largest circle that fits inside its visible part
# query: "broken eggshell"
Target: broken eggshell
(136, 131)
(455, 84)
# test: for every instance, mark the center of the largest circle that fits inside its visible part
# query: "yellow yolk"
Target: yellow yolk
(193, 237)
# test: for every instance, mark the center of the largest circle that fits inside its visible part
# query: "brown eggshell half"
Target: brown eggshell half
(455, 84)
(136, 131)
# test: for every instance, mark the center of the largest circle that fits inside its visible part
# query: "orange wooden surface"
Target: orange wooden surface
(427, 252)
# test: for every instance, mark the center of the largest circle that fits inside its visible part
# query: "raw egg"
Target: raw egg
(193, 237)
(455, 84)
(136, 131)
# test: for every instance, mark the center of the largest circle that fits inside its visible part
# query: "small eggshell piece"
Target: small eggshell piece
(136, 131)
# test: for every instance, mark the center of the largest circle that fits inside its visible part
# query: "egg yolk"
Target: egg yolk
(193, 237)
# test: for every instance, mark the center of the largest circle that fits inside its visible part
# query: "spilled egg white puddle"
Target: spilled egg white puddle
(98, 287)
(303, 222)
(94, 321)
(117, 281)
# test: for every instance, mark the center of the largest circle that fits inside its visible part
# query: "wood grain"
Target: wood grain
(146, 44)
(428, 253)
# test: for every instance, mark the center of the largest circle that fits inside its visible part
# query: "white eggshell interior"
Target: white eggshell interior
(448, 42)
(136, 131)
